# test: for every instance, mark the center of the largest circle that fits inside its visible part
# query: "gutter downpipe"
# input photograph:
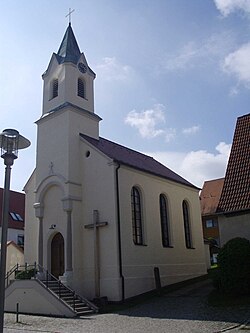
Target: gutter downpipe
(119, 231)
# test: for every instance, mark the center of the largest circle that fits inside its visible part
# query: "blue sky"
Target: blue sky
(172, 75)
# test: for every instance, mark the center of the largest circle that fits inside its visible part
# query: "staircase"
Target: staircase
(78, 304)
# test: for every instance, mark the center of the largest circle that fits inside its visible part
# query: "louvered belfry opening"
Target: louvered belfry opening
(81, 88)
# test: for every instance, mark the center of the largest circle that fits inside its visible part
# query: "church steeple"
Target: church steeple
(69, 50)
(68, 80)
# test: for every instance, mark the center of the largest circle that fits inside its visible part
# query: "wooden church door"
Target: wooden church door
(57, 255)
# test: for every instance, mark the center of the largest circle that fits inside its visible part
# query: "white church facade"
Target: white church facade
(99, 216)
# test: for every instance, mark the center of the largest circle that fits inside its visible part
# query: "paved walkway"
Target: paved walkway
(182, 311)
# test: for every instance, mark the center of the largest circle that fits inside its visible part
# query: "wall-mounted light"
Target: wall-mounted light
(52, 227)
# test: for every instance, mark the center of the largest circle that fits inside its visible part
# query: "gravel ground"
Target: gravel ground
(185, 310)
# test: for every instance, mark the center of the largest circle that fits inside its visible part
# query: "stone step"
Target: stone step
(79, 306)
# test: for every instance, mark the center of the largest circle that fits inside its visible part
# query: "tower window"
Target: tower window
(81, 88)
(54, 88)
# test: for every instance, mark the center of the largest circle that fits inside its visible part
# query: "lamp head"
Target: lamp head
(10, 142)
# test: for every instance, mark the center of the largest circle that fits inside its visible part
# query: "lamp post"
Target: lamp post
(10, 142)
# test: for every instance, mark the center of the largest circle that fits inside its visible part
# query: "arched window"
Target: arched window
(187, 229)
(81, 88)
(164, 221)
(136, 216)
(54, 88)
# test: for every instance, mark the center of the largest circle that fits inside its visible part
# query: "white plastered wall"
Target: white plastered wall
(14, 256)
(31, 223)
(234, 226)
(176, 263)
(98, 179)
(34, 298)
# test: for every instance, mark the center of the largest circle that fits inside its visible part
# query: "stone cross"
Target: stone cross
(69, 14)
(95, 226)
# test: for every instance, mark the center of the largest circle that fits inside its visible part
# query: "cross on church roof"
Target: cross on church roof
(69, 14)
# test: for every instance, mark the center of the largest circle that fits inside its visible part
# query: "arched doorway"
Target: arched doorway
(57, 255)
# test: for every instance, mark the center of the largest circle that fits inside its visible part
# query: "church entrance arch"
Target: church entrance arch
(57, 255)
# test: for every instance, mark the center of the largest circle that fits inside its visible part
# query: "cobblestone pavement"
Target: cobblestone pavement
(182, 311)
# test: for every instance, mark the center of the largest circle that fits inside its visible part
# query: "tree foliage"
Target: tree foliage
(233, 275)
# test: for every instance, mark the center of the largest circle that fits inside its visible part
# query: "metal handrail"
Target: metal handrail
(18, 268)
(9, 273)
(49, 277)
(60, 285)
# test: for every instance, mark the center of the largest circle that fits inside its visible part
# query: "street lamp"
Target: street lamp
(10, 142)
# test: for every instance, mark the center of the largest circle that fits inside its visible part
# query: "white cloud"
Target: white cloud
(226, 7)
(147, 121)
(199, 53)
(180, 61)
(191, 130)
(197, 166)
(237, 63)
(150, 122)
(111, 69)
(170, 134)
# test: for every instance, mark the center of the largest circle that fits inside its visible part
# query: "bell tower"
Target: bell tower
(67, 111)
(68, 78)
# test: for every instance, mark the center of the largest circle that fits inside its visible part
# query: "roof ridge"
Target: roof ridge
(244, 115)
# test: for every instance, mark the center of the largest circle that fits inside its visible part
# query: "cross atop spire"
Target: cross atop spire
(69, 14)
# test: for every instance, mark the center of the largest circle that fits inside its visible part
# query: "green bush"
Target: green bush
(25, 275)
(233, 274)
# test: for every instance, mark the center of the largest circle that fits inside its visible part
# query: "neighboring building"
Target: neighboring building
(100, 216)
(234, 203)
(14, 256)
(16, 217)
(209, 200)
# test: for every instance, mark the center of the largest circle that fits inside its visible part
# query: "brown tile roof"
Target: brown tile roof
(134, 159)
(236, 190)
(210, 196)
(17, 205)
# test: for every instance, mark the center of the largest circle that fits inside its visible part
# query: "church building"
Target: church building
(99, 216)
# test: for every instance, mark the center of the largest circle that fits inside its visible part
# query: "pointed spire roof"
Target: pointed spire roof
(69, 50)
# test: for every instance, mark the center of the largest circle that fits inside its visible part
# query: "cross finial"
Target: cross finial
(69, 14)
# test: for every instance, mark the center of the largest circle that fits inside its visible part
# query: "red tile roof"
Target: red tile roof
(17, 205)
(210, 196)
(236, 190)
(134, 159)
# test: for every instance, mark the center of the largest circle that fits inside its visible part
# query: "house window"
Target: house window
(136, 216)
(164, 221)
(186, 219)
(20, 240)
(16, 216)
(54, 88)
(211, 223)
(81, 88)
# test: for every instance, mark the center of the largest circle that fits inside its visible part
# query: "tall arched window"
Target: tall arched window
(187, 228)
(54, 88)
(164, 221)
(81, 88)
(136, 216)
